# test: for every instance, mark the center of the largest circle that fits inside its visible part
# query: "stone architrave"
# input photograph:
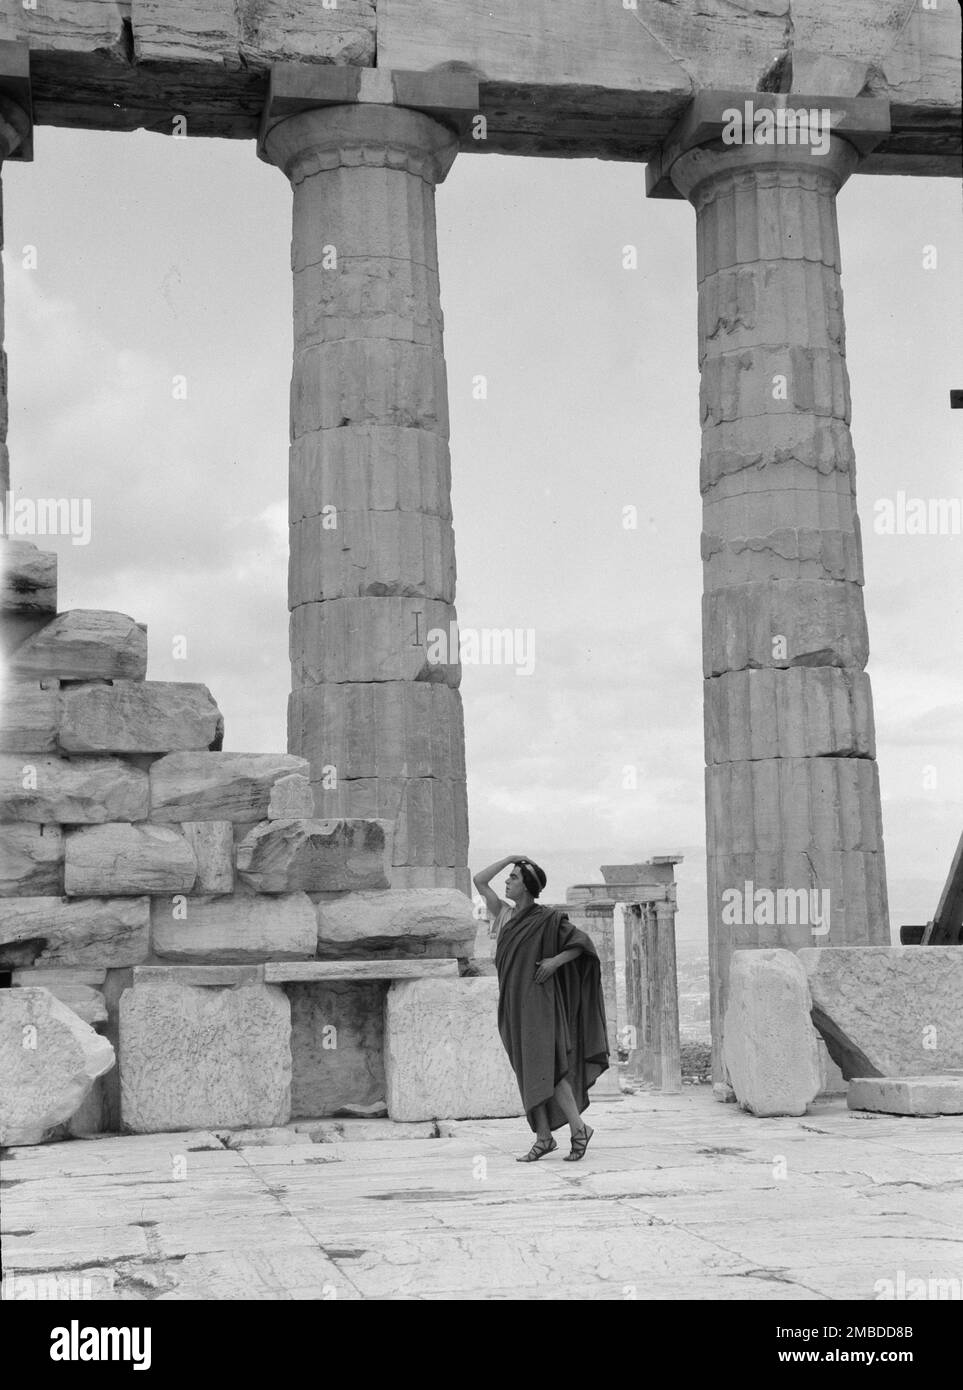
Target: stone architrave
(235, 787)
(49, 1061)
(71, 791)
(372, 573)
(281, 856)
(398, 922)
(204, 1058)
(770, 1046)
(85, 644)
(234, 930)
(85, 932)
(212, 842)
(31, 860)
(139, 717)
(444, 1058)
(117, 859)
(792, 792)
(29, 715)
(888, 1010)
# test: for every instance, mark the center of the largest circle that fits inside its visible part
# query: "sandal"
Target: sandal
(579, 1144)
(538, 1150)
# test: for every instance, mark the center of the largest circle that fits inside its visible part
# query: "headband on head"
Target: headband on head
(533, 877)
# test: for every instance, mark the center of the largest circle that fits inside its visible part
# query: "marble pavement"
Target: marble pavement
(679, 1198)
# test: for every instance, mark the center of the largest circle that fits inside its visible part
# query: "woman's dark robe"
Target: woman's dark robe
(555, 1029)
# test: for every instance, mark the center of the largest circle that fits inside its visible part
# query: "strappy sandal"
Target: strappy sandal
(580, 1143)
(538, 1150)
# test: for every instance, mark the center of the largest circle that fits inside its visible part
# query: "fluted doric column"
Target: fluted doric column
(795, 848)
(375, 704)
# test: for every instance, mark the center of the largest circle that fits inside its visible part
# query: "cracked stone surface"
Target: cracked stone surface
(678, 1198)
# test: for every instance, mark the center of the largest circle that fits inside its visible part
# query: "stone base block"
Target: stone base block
(908, 1095)
(888, 1010)
(85, 791)
(444, 1058)
(62, 932)
(202, 1058)
(120, 858)
(139, 717)
(769, 1045)
(49, 1061)
(400, 922)
(234, 930)
(337, 1047)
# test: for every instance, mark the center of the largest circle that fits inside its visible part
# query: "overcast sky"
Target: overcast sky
(158, 257)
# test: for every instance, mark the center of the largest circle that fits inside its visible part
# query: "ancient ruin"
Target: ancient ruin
(168, 891)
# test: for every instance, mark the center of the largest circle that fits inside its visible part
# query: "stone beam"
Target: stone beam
(569, 78)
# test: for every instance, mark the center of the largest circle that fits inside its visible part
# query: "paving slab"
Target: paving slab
(678, 1198)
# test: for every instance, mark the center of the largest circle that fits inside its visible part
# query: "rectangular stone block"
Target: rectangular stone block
(444, 1058)
(212, 842)
(291, 798)
(908, 1095)
(395, 922)
(802, 712)
(337, 1047)
(374, 639)
(85, 644)
(206, 976)
(380, 729)
(234, 930)
(31, 860)
(327, 971)
(86, 1001)
(117, 859)
(78, 791)
(203, 1059)
(50, 976)
(139, 717)
(891, 1011)
(429, 815)
(29, 716)
(217, 786)
(28, 578)
(282, 856)
(770, 1046)
(87, 932)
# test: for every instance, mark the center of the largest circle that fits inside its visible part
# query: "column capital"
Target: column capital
(377, 136)
(757, 130)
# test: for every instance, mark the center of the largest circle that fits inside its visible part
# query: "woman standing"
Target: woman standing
(551, 1016)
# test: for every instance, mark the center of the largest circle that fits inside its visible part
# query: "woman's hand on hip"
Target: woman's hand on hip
(546, 969)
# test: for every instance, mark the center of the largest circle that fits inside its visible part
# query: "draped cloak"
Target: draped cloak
(556, 1029)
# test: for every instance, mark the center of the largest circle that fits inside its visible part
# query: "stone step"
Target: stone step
(939, 1094)
(321, 971)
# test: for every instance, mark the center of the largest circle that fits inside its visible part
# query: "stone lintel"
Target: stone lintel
(863, 121)
(15, 87)
(330, 971)
(207, 976)
(450, 97)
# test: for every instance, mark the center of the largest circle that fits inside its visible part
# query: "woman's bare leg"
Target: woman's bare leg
(566, 1100)
(542, 1131)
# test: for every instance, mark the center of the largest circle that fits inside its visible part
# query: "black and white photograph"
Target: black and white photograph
(580, 919)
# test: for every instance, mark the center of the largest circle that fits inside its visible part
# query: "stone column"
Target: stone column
(375, 705)
(792, 788)
(596, 917)
(14, 129)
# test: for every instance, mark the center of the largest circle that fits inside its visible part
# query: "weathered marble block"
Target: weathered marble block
(213, 844)
(80, 791)
(119, 858)
(200, 1058)
(89, 932)
(316, 855)
(31, 860)
(218, 786)
(29, 713)
(770, 1047)
(28, 578)
(888, 1010)
(443, 1056)
(291, 798)
(908, 1095)
(85, 644)
(86, 1002)
(139, 717)
(396, 921)
(337, 1046)
(49, 1060)
(234, 930)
